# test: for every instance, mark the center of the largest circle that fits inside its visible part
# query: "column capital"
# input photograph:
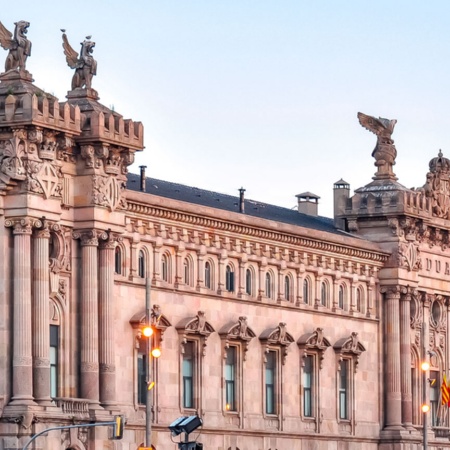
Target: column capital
(23, 225)
(89, 238)
(393, 292)
(108, 239)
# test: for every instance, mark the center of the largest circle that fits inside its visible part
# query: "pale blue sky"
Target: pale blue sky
(259, 94)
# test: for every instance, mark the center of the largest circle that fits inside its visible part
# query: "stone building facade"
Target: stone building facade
(281, 329)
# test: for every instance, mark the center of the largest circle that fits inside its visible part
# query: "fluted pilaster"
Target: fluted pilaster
(22, 383)
(106, 311)
(392, 360)
(89, 366)
(405, 362)
(41, 327)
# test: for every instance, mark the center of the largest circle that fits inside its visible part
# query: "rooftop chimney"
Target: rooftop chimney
(308, 203)
(241, 200)
(341, 190)
(143, 179)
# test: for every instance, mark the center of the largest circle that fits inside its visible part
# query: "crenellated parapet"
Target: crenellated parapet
(40, 110)
(111, 128)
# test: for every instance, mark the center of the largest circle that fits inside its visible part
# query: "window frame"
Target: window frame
(272, 355)
(54, 341)
(118, 260)
(142, 264)
(193, 344)
(208, 275)
(249, 282)
(268, 291)
(229, 278)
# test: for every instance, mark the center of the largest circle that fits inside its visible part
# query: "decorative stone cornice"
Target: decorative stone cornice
(259, 233)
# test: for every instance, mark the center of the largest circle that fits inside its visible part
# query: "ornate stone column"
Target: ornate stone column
(41, 320)
(89, 315)
(106, 322)
(22, 371)
(392, 360)
(405, 362)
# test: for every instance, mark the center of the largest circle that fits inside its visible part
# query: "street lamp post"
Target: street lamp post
(425, 366)
(148, 400)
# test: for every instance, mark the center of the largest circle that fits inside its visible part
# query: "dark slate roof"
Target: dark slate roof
(203, 197)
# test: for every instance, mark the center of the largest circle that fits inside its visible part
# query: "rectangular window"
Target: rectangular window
(188, 370)
(308, 377)
(271, 366)
(142, 382)
(54, 345)
(343, 390)
(230, 379)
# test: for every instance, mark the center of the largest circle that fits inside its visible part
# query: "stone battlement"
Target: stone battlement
(40, 110)
(111, 128)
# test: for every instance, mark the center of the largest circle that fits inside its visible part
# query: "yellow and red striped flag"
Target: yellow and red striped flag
(445, 391)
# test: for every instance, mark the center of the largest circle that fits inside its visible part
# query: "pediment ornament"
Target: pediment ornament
(238, 331)
(278, 336)
(349, 346)
(314, 341)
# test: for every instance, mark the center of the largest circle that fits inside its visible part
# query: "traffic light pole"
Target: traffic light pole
(148, 373)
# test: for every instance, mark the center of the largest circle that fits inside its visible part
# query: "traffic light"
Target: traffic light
(118, 427)
(190, 446)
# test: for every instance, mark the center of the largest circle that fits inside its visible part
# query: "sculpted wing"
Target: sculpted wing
(71, 54)
(6, 40)
(371, 123)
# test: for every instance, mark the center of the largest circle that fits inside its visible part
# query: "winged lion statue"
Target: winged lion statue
(18, 45)
(84, 64)
(384, 151)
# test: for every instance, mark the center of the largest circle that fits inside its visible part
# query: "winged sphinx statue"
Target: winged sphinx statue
(384, 151)
(18, 45)
(84, 64)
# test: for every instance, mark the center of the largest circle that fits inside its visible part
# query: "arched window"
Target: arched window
(118, 260)
(306, 291)
(248, 282)
(229, 279)
(186, 270)
(208, 275)
(287, 288)
(141, 264)
(360, 299)
(324, 294)
(164, 268)
(341, 297)
(268, 285)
